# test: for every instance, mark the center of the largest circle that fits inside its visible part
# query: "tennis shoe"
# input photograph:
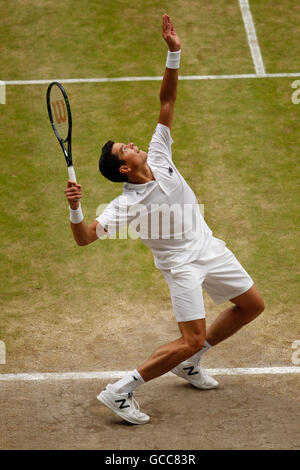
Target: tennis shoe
(124, 405)
(195, 375)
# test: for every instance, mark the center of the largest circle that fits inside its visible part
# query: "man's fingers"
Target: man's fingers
(72, 190)
(73, 183)
(75, 186)
(73, 193)
(166, 24)
(171, 24)
(163, 24)
(72, 196)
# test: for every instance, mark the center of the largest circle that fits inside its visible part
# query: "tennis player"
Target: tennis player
(184, 249)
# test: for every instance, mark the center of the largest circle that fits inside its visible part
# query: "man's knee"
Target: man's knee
(250, 303)
(255, 308)
(260, 307)
(193, 335)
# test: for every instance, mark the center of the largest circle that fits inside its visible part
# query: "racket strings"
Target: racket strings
(59, 112)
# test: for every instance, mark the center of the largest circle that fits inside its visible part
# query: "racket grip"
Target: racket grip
(71, 171)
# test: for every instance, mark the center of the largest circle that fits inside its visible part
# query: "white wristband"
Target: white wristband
(173, 59)
(76, 215)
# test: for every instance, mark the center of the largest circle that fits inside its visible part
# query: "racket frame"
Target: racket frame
(67, 153)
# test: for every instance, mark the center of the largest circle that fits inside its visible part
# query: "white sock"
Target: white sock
(128, 384)
(196, 358)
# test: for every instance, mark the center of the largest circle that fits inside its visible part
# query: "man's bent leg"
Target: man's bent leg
(247, 307)
(169, 355)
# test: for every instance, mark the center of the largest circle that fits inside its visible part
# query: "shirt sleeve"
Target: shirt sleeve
(114, 216)
(160, 145)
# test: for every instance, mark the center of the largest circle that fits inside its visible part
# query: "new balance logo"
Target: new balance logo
(123, 401)
(190, 370)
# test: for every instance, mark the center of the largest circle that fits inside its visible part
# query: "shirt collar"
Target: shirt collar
(140, 188)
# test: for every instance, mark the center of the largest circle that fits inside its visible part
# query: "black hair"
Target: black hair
(109, 164)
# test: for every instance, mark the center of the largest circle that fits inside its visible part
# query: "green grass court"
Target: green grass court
(235, 141)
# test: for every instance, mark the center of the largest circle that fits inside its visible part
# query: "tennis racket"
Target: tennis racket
(61, 121)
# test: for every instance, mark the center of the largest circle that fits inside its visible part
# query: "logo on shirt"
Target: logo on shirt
(170, 170)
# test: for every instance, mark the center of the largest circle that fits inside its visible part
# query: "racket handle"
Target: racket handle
(71, 171)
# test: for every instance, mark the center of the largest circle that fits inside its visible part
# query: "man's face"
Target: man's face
(134, 158)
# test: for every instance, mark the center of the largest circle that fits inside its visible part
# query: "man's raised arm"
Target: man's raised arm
(168, 90)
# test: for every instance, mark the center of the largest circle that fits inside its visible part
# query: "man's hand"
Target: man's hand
(73, 194)
(169, 34)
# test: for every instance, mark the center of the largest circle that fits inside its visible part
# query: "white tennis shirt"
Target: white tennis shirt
(163, 213)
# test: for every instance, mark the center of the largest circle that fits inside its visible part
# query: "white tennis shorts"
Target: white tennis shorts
(218, 272)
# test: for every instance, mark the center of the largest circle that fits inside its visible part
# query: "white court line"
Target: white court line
(121, 373)
(252, 38)
(145, 79)
(2, 93)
